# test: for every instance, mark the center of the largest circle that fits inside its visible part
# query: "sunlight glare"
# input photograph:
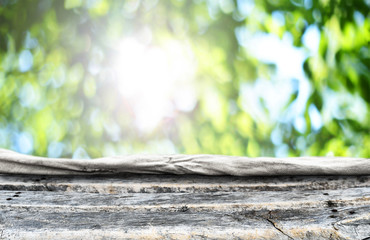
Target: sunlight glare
(156, 81)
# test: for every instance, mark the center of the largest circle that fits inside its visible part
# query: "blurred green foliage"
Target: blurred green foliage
(59, 94)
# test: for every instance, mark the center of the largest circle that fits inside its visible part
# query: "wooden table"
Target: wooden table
(184, 207)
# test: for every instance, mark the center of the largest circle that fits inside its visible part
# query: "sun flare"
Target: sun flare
(156, 81)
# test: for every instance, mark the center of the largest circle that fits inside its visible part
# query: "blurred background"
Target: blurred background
(87, 78)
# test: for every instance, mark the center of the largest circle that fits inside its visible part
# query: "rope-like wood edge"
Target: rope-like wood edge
(15, 163)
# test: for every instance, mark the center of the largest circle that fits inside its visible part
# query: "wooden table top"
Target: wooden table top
(137, 206)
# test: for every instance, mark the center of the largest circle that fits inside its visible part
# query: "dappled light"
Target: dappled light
(84, 79)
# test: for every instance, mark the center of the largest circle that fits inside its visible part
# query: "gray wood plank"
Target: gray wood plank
(195, 201)
(184, 207)
(298, 223)
(203, 164)
(129, 183)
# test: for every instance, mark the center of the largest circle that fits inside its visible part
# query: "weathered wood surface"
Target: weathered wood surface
(184, 207)
(15, 163)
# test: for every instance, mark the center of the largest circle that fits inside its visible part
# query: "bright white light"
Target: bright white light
(156, 81)
(25, 61)
(270, 49)
(311, 39)
(315, 116)
(24, 143)
(289, 61)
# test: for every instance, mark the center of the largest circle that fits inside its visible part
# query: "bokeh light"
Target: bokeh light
(83, 79)
(156, 81)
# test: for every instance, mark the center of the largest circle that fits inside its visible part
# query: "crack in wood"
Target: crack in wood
(275, 225)
(170, 206)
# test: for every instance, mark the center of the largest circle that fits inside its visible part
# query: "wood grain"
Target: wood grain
(132, 206)
(184, 197)
(15, 163)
